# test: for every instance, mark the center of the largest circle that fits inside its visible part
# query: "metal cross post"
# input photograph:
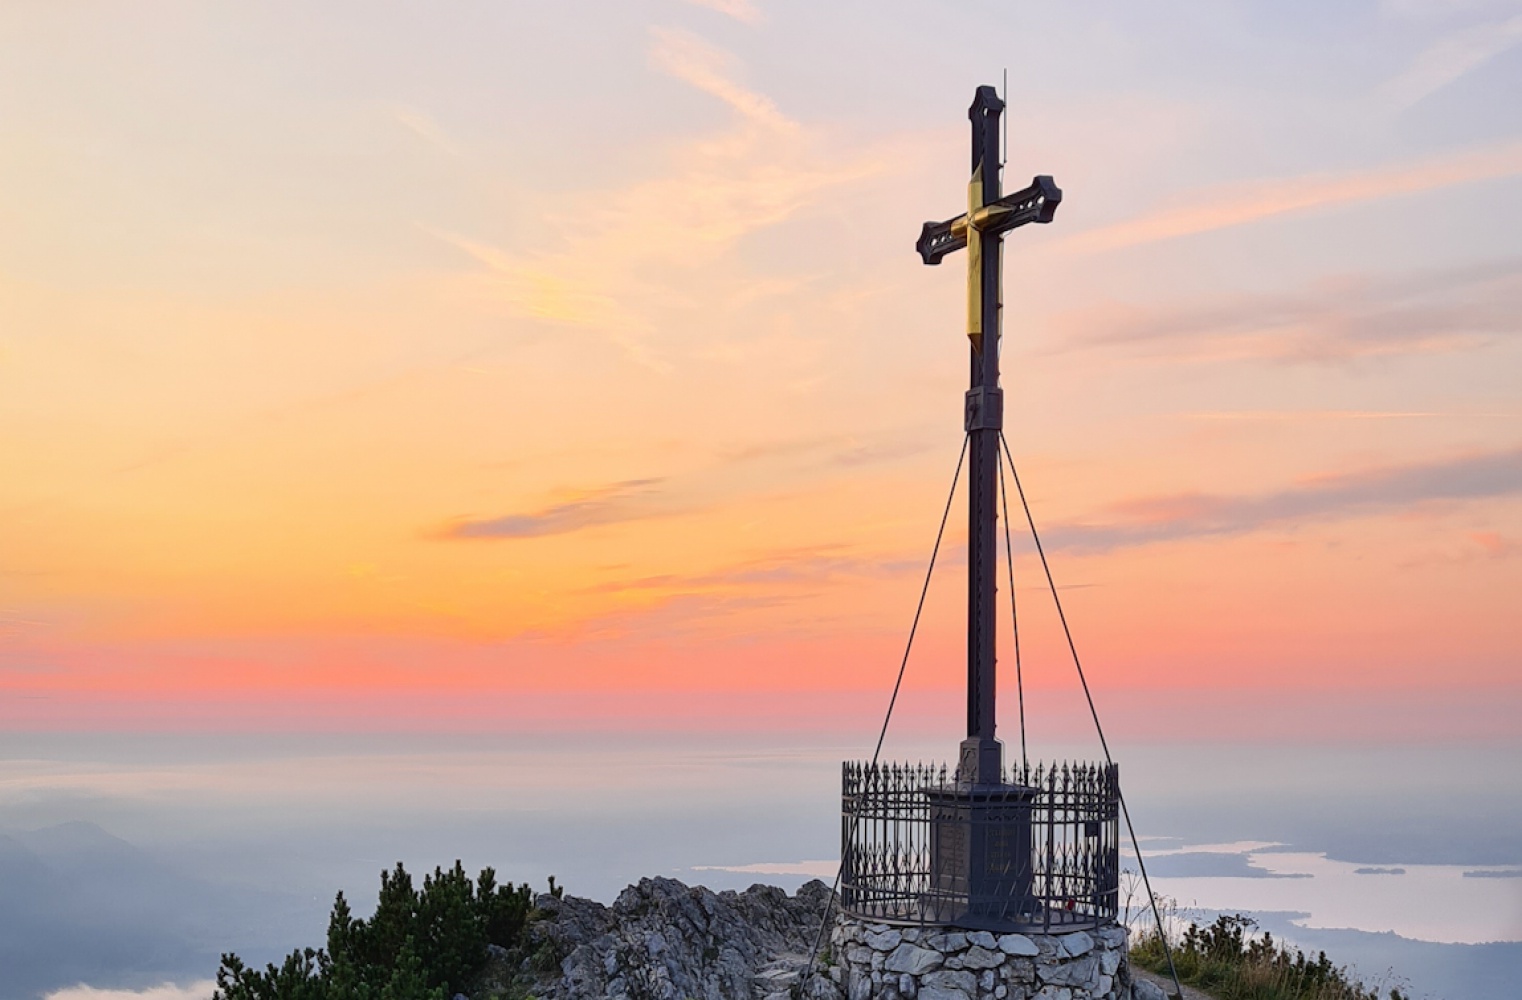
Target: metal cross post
(981, 231)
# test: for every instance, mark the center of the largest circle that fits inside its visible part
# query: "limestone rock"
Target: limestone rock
(1082, 974)
(1077, 943)
(820, 988)
(949, 979)
(1113, 937)
(979, 957)
(1143, 989)
(940, 993)
(662, 940)
(1018, 944)
(913, 959)
(948, 941)
(883, 941)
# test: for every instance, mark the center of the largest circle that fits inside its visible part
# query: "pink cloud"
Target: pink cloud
(1241, 204)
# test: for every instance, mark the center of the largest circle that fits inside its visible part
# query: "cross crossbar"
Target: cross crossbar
(1037, 203)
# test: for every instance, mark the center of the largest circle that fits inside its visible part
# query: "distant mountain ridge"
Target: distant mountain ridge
(85, 906)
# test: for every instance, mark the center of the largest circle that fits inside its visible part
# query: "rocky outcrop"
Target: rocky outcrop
(663, 940)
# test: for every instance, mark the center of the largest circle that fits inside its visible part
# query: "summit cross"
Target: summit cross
(980, 230)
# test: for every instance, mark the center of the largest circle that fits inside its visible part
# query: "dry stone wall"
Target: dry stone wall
(878, 962)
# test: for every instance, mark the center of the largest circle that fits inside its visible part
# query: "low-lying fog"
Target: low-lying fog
(130, 862)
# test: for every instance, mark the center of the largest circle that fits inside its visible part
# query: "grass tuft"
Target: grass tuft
(1229, 961)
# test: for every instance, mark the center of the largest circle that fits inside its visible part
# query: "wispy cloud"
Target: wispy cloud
(545, 290)
(1277, 416)
(816, 869)
(769, 450)
(1466, 549)
(872, 454)
(787, 566)
(14, 624)
(688, 58)
(199, 990)
(1324, 498)
(714, 600)
(673, 615)
(700, 488)
(740, 10)
(1493, 544)
(427, 129)
(1451, 57)
(631, 500)
(1240, 204)
(836, 451)
(1344, 317)
(624, 259)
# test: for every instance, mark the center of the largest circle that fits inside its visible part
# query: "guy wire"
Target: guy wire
(1135, 846)
(824, 918)
(1014, 620)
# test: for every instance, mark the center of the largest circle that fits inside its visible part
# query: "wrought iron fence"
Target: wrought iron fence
(1040, 851)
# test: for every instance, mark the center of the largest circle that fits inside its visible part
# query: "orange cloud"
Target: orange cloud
(1493, 544)
(612, 504)
(621, 260)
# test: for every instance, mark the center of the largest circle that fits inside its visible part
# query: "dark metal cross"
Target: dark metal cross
(981, 231)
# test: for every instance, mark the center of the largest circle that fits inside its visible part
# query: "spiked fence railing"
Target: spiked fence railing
(1050, 854)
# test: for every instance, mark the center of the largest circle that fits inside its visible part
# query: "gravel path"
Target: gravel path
(1166, 982)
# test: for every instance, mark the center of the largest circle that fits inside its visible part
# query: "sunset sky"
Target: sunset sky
(500, 366)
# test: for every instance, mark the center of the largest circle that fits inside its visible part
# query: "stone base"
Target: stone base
(876, 962)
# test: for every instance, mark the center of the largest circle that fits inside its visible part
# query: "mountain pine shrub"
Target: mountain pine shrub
(420, 944)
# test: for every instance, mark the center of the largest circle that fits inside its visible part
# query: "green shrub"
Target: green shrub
(426, 944)
(1226, 960)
